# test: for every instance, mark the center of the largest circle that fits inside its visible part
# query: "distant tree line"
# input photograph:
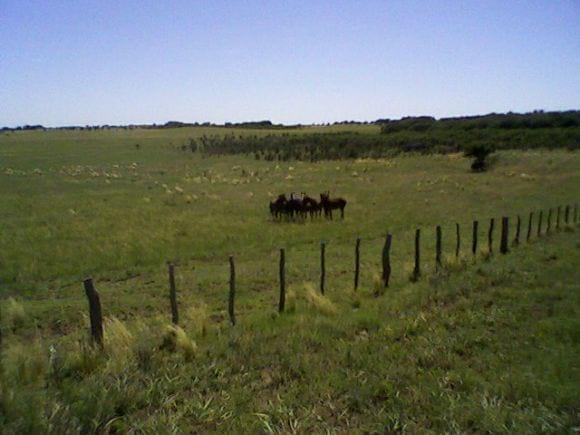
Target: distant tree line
(508, 121)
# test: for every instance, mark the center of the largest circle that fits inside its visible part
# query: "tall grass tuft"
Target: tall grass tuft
(318, 301)
(198, 318)
(25, 364)
(176, 339)
(118, 344)
(14, 314)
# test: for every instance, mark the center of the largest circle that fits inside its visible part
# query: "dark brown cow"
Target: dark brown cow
(329, 204)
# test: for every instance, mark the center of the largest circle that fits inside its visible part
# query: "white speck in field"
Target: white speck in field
(290, 168)
(147, 199)
(178, 189)
(289, 177)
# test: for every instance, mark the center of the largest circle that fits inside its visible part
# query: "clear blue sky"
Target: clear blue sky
(96, 62)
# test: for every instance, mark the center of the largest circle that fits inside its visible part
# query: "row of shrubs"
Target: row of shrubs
(349, 145)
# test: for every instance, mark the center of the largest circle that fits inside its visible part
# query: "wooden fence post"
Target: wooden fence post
(282, 301)
(173, 294)
(518, 231)
(232, 295)
(490, 236)
(567, 215)
(387, 260)
(559, 213)
(504, 235)
(549, 221)
(458, 243)
(417, 269)
(540, 223)
(530, 226)
(322, 266)
(438, 263)
(95, 313)
(356, 262)
(474, 238)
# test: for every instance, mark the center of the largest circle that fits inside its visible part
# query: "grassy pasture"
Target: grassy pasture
(424, 356)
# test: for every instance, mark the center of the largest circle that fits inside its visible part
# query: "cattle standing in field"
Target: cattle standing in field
(300, 206)
(332, 204)
(311, 206)
(278, 207)
(294, 207)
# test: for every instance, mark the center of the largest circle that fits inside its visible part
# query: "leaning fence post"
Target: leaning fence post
(549, 221)
(530, 226)
(387, 260)
(458, 237)
(232, 295)
(95, 313)
(438, 263)
(474, 238)
(558, 217)
(322, 266)
(567, 215)
(490, 236)
(282, 301)
(173, 294)
(518, 230)
(504, 235)
(540, 223)
(417, 269)
(356, 262)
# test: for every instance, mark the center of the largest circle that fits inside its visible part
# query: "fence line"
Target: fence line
(95, 312)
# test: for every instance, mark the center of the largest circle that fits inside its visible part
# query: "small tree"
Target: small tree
(480, 153)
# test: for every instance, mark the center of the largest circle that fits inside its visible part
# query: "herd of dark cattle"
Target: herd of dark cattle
(301, 206)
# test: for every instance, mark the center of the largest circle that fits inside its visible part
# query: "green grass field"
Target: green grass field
(489, 346)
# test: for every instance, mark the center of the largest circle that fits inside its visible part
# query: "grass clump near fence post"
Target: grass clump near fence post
(549, 222)
(173, 294)
(232, 294)
(95, 313)
(282, 300)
